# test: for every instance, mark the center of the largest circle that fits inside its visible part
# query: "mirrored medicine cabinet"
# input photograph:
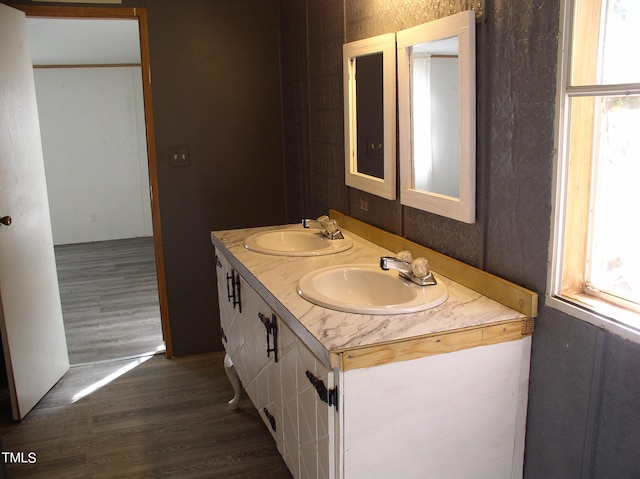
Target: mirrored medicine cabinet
(369, 70)
(436, 116)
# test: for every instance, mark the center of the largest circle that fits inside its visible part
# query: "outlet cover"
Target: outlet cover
(179, 156)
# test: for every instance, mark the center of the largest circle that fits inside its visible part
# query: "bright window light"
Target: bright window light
(595, 259)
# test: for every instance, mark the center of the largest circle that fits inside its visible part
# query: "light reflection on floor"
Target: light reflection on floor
(133, 363)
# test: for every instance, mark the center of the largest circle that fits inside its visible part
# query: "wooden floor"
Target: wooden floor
(109, 296)
(164, 418)
(138, 416)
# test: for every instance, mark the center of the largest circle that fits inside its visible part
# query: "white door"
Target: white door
(31, 323)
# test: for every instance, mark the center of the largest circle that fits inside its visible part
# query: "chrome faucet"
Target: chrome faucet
(328, 227)
(415, 270)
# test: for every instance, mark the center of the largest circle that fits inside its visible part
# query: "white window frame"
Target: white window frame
(601, 313)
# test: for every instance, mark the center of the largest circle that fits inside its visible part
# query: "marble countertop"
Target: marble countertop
(326, 331)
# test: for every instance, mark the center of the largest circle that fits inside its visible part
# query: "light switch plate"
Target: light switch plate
(179, 156)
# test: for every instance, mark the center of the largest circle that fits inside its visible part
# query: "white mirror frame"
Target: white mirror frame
(385, 44)
(461, 25)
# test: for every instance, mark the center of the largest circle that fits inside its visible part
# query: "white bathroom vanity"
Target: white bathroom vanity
(440, 393)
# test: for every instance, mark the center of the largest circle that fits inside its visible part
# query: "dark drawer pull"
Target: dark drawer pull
(270, 418)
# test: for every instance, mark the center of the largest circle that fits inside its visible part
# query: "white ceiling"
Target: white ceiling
(71, 41)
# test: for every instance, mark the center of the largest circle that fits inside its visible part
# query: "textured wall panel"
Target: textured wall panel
(561, 385)
(295, 97)
(326, 37)
(617, 441)
(453, 238)
(367, 18)
(384, 214)
(522, 43)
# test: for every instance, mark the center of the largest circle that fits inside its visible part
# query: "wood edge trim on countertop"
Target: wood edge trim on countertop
(509, 294)
(437, 343)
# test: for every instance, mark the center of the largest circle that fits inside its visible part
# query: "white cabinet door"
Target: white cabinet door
(248, 341)
(274, 386)
(315, 416)
(308, 420)
(251, 355)
(289, 386)
(230, 339)
(288, 393)
(259, 354)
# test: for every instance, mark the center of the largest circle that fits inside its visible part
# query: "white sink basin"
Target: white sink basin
(296, 242)
(367, 289)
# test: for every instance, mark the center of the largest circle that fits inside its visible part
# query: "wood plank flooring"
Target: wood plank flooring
(163, 418)
(137, 416)
(109, 296)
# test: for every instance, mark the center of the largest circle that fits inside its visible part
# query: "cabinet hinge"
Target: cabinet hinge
(330, 396)
(333, 397)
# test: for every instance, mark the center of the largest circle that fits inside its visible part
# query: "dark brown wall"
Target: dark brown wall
(583, 417)
(216, 88)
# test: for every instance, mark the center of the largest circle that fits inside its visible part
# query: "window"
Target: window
(435, 89)
(595, 249)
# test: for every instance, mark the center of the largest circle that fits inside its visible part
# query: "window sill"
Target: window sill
(600, 313)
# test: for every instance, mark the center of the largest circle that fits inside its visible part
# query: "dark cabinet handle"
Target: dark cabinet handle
(233, 290)
(269, 416)
(6, 220)
(271, 326)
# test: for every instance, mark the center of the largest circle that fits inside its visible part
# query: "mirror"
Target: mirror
(437, 116)
(369, 72)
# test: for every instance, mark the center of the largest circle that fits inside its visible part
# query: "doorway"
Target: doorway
(152, 244)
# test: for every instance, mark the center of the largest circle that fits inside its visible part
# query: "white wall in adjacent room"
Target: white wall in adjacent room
(95, 152)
